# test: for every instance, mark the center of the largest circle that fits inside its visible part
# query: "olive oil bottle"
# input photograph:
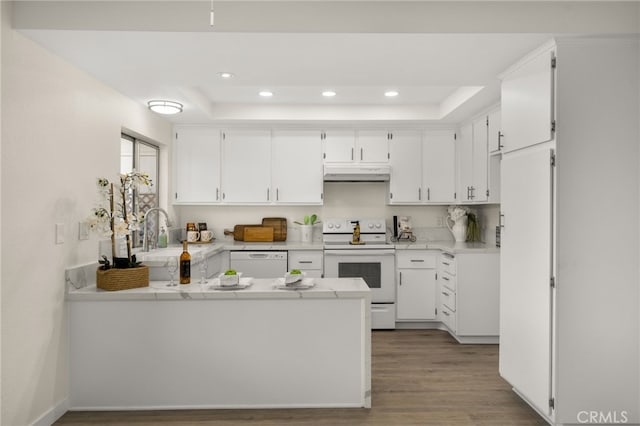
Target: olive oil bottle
(185, 264)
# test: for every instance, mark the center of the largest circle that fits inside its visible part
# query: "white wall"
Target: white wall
(61, 130)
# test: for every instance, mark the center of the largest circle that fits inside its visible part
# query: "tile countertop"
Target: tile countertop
(264, 288)
(448, 246)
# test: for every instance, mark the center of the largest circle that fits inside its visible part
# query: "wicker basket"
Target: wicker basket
(122, 279)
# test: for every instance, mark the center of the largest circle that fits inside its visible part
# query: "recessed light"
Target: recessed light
(225, 75)
(266, 94)
(328, 93)
(391, 94)
(165, 107)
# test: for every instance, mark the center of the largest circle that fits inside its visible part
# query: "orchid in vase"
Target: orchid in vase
(111, 217)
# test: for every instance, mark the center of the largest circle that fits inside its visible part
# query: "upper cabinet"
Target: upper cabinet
(422, 167)
(373, 146)
(405, 183)
(297, 167)
(246, 167)
(439, 166)
(339, 146)
(472, 161)
(196, 156)
(362, 146)
(528, 103)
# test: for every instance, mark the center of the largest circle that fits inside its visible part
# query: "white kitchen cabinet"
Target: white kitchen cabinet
(527, 101)
(246, 166)
(296, 167)
(372, 146)
(308, 261)
(416, 291)
(554, 296)
(468, 296)
(405, 183)
(339, 146)
(472, 161)
(196, 155)
(494, 130)
(439, 166)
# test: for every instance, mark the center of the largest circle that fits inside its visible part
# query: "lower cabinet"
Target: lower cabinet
(416, 288)
(468, 296)
(308, 261)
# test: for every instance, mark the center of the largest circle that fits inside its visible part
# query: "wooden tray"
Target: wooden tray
(258, 234)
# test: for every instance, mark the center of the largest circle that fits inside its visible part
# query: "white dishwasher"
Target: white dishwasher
(259, 264)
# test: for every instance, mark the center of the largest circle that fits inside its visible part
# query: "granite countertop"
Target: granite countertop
(263, 288)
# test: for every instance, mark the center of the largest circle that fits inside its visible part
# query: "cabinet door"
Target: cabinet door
(464, 151)
(527, 103)
(416, 294)
(297, 166)
(246, 167)
(525, 271)
(339, 146)
(493, 124)
(373, 146)
(480, 160)
(196, 152)
(439, 166)
(406, 168)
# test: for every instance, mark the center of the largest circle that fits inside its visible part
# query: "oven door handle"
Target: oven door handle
(364, 252)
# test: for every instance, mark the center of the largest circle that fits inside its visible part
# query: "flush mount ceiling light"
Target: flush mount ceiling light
(328, 93)
(391, 94)
(165, 107)
(266, 94)
(226, 75)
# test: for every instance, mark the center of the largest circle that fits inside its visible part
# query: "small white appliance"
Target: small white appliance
(373, 259)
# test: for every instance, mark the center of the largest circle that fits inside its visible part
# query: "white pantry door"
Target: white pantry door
(525, 271)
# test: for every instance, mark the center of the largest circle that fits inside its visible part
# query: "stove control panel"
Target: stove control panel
(340, 226)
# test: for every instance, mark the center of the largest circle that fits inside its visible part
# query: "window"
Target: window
(143, 157)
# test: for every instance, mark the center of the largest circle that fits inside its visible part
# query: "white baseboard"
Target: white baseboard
(53, 414)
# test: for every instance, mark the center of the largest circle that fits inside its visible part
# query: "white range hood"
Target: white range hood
(357, 173)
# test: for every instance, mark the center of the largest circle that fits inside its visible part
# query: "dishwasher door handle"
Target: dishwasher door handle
(258, 255)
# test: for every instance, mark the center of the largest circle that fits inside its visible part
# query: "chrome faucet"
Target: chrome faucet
(145, 241)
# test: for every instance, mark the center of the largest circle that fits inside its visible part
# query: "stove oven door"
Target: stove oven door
(375, 266)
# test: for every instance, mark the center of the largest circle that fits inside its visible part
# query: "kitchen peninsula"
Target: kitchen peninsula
(163, 347)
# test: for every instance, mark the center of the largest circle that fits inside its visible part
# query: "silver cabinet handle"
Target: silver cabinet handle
(361, 153)
(277, 194)
(428, 194)
(351, 154)
(446, 313)
(500, 136)
(445, 293)
(217, 194)
(445, 278)
(417, 260)
(268, 194)
(400, 278)
(419, 194)
(305, 261)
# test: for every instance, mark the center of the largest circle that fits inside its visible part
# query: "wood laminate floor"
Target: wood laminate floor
(419, 377)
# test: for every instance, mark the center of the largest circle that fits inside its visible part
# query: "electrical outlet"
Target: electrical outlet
(83, 231)
(59, 233)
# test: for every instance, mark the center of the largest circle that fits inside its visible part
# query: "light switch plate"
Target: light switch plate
(59, 233)
(83, 231)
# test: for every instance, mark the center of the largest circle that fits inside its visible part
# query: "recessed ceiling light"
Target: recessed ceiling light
(328, 93)
(165, 107)
(225, 75)
(266, 94)
(391, 94)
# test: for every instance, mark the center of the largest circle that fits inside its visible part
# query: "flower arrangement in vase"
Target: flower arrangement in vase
(111, 218)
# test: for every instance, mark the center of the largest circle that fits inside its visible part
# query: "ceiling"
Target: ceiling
(440, 77)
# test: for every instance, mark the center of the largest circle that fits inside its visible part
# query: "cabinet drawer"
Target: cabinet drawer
(448, 281)
(448, 298)
(449, 318)
(305, 260)
(448, 263)
(416, 260)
